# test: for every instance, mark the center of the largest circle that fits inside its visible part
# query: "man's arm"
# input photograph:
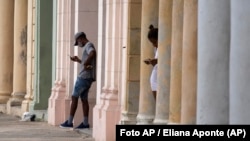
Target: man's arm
(91, 56)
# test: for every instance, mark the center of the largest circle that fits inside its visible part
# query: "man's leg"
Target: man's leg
(85, 108)
(85, 104)
(73, 108)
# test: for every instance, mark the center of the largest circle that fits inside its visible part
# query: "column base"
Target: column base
(105, 118)
(57, 104)
(128, 118)
(14, 104)
(25, 106)
(161, 121)
(3, 108)
(4, 97)
(173, 123)
(16, 98)
(13, 108)
(144, 119)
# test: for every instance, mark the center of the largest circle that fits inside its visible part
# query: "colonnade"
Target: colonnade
(13, 54)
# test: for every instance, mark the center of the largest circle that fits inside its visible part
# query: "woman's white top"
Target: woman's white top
(153, 78)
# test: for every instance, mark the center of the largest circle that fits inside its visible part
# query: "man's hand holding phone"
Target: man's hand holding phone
(75, 58)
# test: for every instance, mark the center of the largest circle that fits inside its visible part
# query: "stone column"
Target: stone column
(6, 49)
(176, 62)
(109, 112)
(20, 55)
(147, 103)
(59, 100)
(189, 63)
(30, 56)
(164, 61)
(213, 64)
(131, 59)
(102, 12)
(239, 62)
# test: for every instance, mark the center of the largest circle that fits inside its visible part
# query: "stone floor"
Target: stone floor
(12, 129)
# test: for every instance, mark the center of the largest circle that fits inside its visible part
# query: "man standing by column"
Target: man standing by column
(84, 80)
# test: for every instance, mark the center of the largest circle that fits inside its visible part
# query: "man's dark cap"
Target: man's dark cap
(77, 35)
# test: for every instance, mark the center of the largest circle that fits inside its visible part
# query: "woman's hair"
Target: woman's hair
(153, 32)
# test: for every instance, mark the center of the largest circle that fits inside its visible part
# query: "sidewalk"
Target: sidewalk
(12, 129)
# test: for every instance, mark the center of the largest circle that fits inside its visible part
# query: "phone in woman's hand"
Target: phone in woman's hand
(147, 61)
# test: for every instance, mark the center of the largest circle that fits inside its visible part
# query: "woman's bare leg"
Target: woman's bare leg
(154, 94)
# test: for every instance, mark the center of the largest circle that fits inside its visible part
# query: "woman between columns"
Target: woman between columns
(153, 38)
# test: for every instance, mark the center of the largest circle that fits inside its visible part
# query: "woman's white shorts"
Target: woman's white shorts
(153, 79)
